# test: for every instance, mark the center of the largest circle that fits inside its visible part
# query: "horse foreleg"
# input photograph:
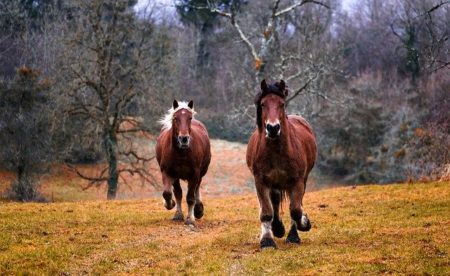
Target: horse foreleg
(265, 216)
(299, 219)
(168, 181)
(198, 208)
(190, 199)
(178, 192)
(277, 224)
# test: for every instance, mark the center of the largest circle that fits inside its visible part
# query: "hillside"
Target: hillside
(402, 228)
(228, 174)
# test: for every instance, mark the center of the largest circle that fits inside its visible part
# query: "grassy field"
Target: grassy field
(401, 228)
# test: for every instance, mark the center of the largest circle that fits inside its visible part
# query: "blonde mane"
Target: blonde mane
(166, 121)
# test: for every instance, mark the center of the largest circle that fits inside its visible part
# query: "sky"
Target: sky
(163, 7)
(166, 7)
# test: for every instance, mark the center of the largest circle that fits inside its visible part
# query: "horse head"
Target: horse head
(181, 123)
(271, 108)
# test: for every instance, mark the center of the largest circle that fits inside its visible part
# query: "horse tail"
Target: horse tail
(283, 199)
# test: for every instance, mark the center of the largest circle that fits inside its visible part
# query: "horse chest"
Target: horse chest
(277, 177)
(181, 168)
(279, 172)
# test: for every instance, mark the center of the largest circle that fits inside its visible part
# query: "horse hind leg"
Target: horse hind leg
(305, 223)
(198, 207)
(277, 224)
(178, 192)
(299, 220)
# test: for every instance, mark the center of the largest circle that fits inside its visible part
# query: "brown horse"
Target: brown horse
(281, 153)
(183, 152)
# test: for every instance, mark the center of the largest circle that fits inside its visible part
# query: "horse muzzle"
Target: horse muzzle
(184, 141)
(273, 130)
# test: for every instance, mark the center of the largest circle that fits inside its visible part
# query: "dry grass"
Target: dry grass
(375, 229)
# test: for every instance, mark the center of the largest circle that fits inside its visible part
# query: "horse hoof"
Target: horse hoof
(198, 210)
(305, 224)
(278, 228)
(178, 217)
(293, 237)
(267, 243)
(189, 222)
(169, 206)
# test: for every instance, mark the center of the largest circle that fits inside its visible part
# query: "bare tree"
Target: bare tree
(27, 127)
(265, 47)
(422, 28)
(105, 61)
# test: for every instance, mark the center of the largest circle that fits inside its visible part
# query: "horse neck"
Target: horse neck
(173, 139)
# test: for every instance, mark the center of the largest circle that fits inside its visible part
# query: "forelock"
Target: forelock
(166, 121)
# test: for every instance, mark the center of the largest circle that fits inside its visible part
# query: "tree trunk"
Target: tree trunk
(20, 171)
(113, 174)
(203, 53)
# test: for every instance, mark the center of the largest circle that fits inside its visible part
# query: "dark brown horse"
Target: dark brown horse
(281, 153)
(183, 152)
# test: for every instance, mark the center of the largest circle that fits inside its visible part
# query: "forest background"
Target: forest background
(83, 84)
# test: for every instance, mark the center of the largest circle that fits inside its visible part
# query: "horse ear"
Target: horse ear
(264, 85)
(175, 104)
(191, 104)
(282, 85)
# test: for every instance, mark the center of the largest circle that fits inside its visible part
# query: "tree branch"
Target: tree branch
(300, 90)
(232, 19)
(437, 6)
(92, 180)
(298, 4)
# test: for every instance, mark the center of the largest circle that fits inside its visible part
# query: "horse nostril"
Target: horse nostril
(273, 129)
(184, 139)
